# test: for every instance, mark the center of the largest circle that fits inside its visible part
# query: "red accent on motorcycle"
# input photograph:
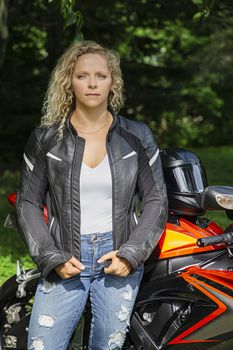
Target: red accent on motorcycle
(223, 302)
(12, 200)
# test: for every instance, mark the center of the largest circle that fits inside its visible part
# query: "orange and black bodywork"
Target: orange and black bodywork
(186, 297)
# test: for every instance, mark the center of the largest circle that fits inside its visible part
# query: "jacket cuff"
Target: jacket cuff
(48, 267)
(133, 262)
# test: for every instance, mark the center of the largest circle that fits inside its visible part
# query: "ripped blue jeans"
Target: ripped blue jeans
(58, 305)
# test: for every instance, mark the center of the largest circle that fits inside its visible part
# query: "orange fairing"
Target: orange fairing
(223, 301)
(181, 240)
(225, 278)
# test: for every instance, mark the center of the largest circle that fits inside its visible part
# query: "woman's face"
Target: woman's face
(91, 81)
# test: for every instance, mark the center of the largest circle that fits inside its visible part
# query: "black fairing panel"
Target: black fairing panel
(214, 260)
(167, 305)
(167, 302)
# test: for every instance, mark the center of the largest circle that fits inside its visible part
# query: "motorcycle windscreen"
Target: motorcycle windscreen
(187, 178)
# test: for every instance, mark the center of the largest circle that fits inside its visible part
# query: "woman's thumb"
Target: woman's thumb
(77, 263)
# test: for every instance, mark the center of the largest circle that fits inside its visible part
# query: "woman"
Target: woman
(89, 165)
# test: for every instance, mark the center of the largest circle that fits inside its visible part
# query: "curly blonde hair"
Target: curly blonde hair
(59, 100)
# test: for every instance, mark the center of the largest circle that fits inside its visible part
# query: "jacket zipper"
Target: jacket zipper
(113, 186)
(71, 188)
(72, 180)
(59, 218)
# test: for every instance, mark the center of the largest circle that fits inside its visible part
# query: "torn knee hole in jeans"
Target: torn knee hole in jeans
(128, 293)
(116, 339)
(47, 286)
(123, 314)
(46, 321)
(37, 344)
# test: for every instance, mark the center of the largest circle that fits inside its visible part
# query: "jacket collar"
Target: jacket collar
(113, 125)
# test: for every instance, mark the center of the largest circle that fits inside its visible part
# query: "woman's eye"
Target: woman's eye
(83, 76)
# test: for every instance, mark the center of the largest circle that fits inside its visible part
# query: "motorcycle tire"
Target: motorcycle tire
(15, 314)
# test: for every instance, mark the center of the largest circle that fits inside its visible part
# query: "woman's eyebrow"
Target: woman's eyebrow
(85, 72)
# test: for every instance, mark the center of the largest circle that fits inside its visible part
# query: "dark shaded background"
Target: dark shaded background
(177, 62)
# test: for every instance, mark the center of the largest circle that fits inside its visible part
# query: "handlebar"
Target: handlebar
(226, 238)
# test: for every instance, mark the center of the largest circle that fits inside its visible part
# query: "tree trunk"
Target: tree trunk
(3, 31)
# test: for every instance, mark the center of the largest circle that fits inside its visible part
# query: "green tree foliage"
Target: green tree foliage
(176, 61)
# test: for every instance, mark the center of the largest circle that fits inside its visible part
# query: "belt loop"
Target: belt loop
(94, 237)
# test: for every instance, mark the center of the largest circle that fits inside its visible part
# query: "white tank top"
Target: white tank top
(96, 197)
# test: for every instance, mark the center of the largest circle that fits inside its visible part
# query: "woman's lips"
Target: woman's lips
(92, 94)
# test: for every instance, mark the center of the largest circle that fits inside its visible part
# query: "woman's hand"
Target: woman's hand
(69, 268)
(119, 266)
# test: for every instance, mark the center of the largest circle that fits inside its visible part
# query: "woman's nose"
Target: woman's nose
(92, 83)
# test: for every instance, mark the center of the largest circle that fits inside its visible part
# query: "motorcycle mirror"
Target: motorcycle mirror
(217, 198)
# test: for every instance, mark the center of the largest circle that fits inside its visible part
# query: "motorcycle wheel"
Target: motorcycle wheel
(15, 314)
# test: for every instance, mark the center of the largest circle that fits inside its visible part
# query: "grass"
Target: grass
(11, 245)
(219, 164)
(217, 160)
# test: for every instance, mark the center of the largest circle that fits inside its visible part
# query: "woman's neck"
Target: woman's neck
(91, 117)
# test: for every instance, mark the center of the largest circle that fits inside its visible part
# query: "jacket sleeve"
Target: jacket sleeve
(152, 193)
(33, 185)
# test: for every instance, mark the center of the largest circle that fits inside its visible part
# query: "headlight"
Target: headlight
(225, 200)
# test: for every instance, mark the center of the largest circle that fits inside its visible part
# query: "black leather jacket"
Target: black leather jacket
(50, 174)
